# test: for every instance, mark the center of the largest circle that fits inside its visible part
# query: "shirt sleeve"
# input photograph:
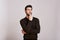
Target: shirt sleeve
(37, 30)
(25, 27)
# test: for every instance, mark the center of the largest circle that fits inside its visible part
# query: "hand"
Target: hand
(23, 32)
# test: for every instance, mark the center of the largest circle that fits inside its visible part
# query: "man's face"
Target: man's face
(28, 11)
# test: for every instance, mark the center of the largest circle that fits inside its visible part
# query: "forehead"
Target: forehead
(29, 8)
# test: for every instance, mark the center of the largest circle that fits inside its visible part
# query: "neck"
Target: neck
(27, 16)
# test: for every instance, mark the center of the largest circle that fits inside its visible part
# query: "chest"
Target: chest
(33, 23)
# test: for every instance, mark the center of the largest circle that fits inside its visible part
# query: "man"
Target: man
(30, 25)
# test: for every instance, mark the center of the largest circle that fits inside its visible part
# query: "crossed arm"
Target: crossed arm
(27, 28)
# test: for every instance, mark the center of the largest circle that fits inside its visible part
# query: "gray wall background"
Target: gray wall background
(48, 11)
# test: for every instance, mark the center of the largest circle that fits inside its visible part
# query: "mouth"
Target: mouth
(29, 14)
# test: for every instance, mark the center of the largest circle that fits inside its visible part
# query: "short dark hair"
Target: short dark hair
(28, 6)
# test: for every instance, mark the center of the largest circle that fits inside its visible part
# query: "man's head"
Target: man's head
(28, 10)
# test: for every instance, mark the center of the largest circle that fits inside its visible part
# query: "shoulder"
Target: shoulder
(22, 19)
(36, 18)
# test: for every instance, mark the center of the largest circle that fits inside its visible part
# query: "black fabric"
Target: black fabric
(32, 28)
(29, 39)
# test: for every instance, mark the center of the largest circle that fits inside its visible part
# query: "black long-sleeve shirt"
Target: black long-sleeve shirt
(32, 28)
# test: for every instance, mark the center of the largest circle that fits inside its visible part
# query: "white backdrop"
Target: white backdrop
(48, 11)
